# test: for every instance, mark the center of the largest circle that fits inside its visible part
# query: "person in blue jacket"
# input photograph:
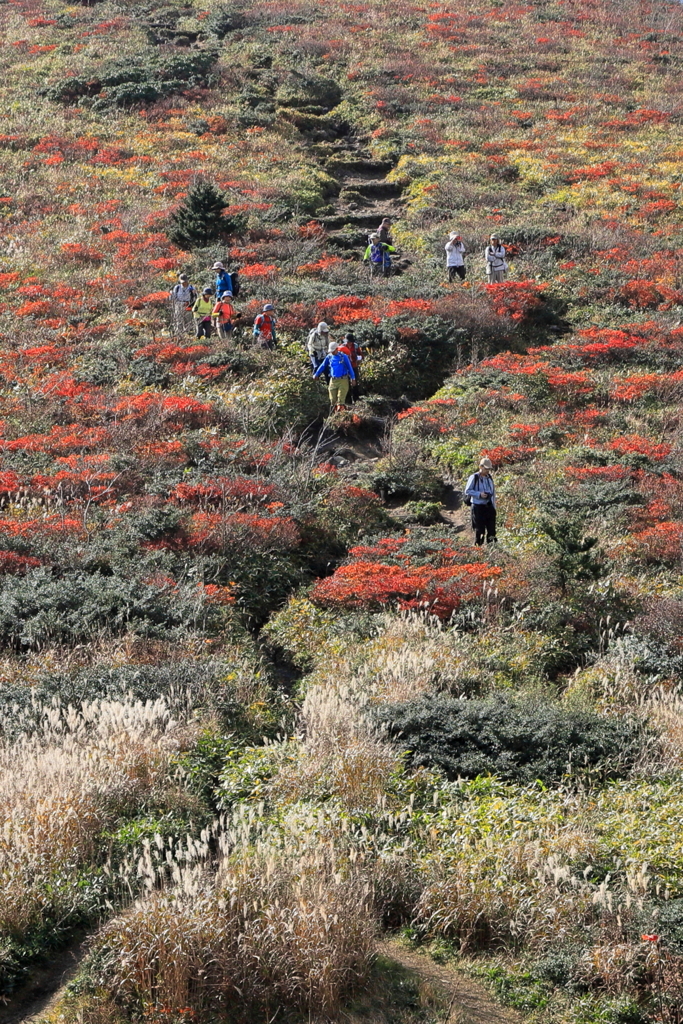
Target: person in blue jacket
(481, 491)
(223, 280)
(341, 374)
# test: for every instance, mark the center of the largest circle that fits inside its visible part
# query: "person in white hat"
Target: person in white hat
(378, 255)
(455, 257)
(340, 374)
(496, 264)
(183, 296)
(481, 492)
(318, 340)
(223, 279)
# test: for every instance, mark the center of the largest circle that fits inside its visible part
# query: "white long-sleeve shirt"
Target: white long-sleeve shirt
(455, 252)
(495, 257)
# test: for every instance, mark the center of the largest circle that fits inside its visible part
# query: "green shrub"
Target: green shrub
(199, 219)
(423, 512)
(521, 741)
(135, 79)
(41, 608)
(223, 19)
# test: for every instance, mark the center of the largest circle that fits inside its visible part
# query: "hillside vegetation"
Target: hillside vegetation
(263, 699)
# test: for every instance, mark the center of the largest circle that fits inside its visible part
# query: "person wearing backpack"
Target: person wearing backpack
(223, 280)
(264, 327)
(183, 297)
(202, 310)
(480, 495)
(350, 347)
(378, 255)
(455, 257)
(496, 264)
(223, 315)
(341, 374)
(318, 340)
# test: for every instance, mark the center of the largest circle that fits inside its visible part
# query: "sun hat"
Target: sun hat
(218, 266)
(485, 463)
(268, 307)
(332, 347)
(495, 238)
(183, 277)
(208, 290)
(229, 294)
(323, 328)
(373, 236)
(453, 234)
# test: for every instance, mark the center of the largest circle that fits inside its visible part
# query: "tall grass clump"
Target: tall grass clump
(61, 786)
(276, 925)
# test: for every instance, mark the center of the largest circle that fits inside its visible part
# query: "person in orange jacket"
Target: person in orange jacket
(223, 316)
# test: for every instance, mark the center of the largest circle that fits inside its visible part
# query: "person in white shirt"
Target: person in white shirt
(183, 296)
(496, 264)
(455, 257)
(480, 494)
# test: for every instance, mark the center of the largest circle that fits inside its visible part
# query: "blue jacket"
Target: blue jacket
(337, 365)
(223, 283)
(478, 482)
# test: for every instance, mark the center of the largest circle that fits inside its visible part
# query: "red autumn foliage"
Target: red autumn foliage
(370, 581)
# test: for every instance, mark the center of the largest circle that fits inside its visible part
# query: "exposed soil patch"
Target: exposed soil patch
(456, 998)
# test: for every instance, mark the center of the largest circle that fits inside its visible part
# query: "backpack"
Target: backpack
(235, 278)
(467, 499)
(264, 325)
(377, 253)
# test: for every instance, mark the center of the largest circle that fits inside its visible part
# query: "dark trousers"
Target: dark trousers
(483, 523)
(204, 329)
(454, 272)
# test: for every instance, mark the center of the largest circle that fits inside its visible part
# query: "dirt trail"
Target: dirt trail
(465, 1000)
(34, 1000)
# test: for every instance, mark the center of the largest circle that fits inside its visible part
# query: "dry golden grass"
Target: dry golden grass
(60, 786)
(272, 926)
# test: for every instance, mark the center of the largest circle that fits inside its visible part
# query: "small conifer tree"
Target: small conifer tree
(199, 219)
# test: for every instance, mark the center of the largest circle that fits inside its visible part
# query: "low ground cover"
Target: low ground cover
(263, 700)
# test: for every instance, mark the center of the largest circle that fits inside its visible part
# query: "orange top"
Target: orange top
(224, 310)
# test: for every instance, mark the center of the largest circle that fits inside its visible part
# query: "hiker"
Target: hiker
(202, 310)
(350, 347)
(481, 491)
(341, 374)
(223, 315)
(384, 232)
(223, 280)
(318, 340)
(183, 296)
(496, 264)
(264, 327)
(455, 257)
(378, 255)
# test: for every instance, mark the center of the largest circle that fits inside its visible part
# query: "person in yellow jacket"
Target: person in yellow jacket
(201, 311)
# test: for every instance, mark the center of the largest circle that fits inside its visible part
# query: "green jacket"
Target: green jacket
(384, 247)
(203, 307)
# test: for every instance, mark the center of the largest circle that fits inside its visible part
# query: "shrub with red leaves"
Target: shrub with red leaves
(13, 564)
(371, 581)
(515, 299)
